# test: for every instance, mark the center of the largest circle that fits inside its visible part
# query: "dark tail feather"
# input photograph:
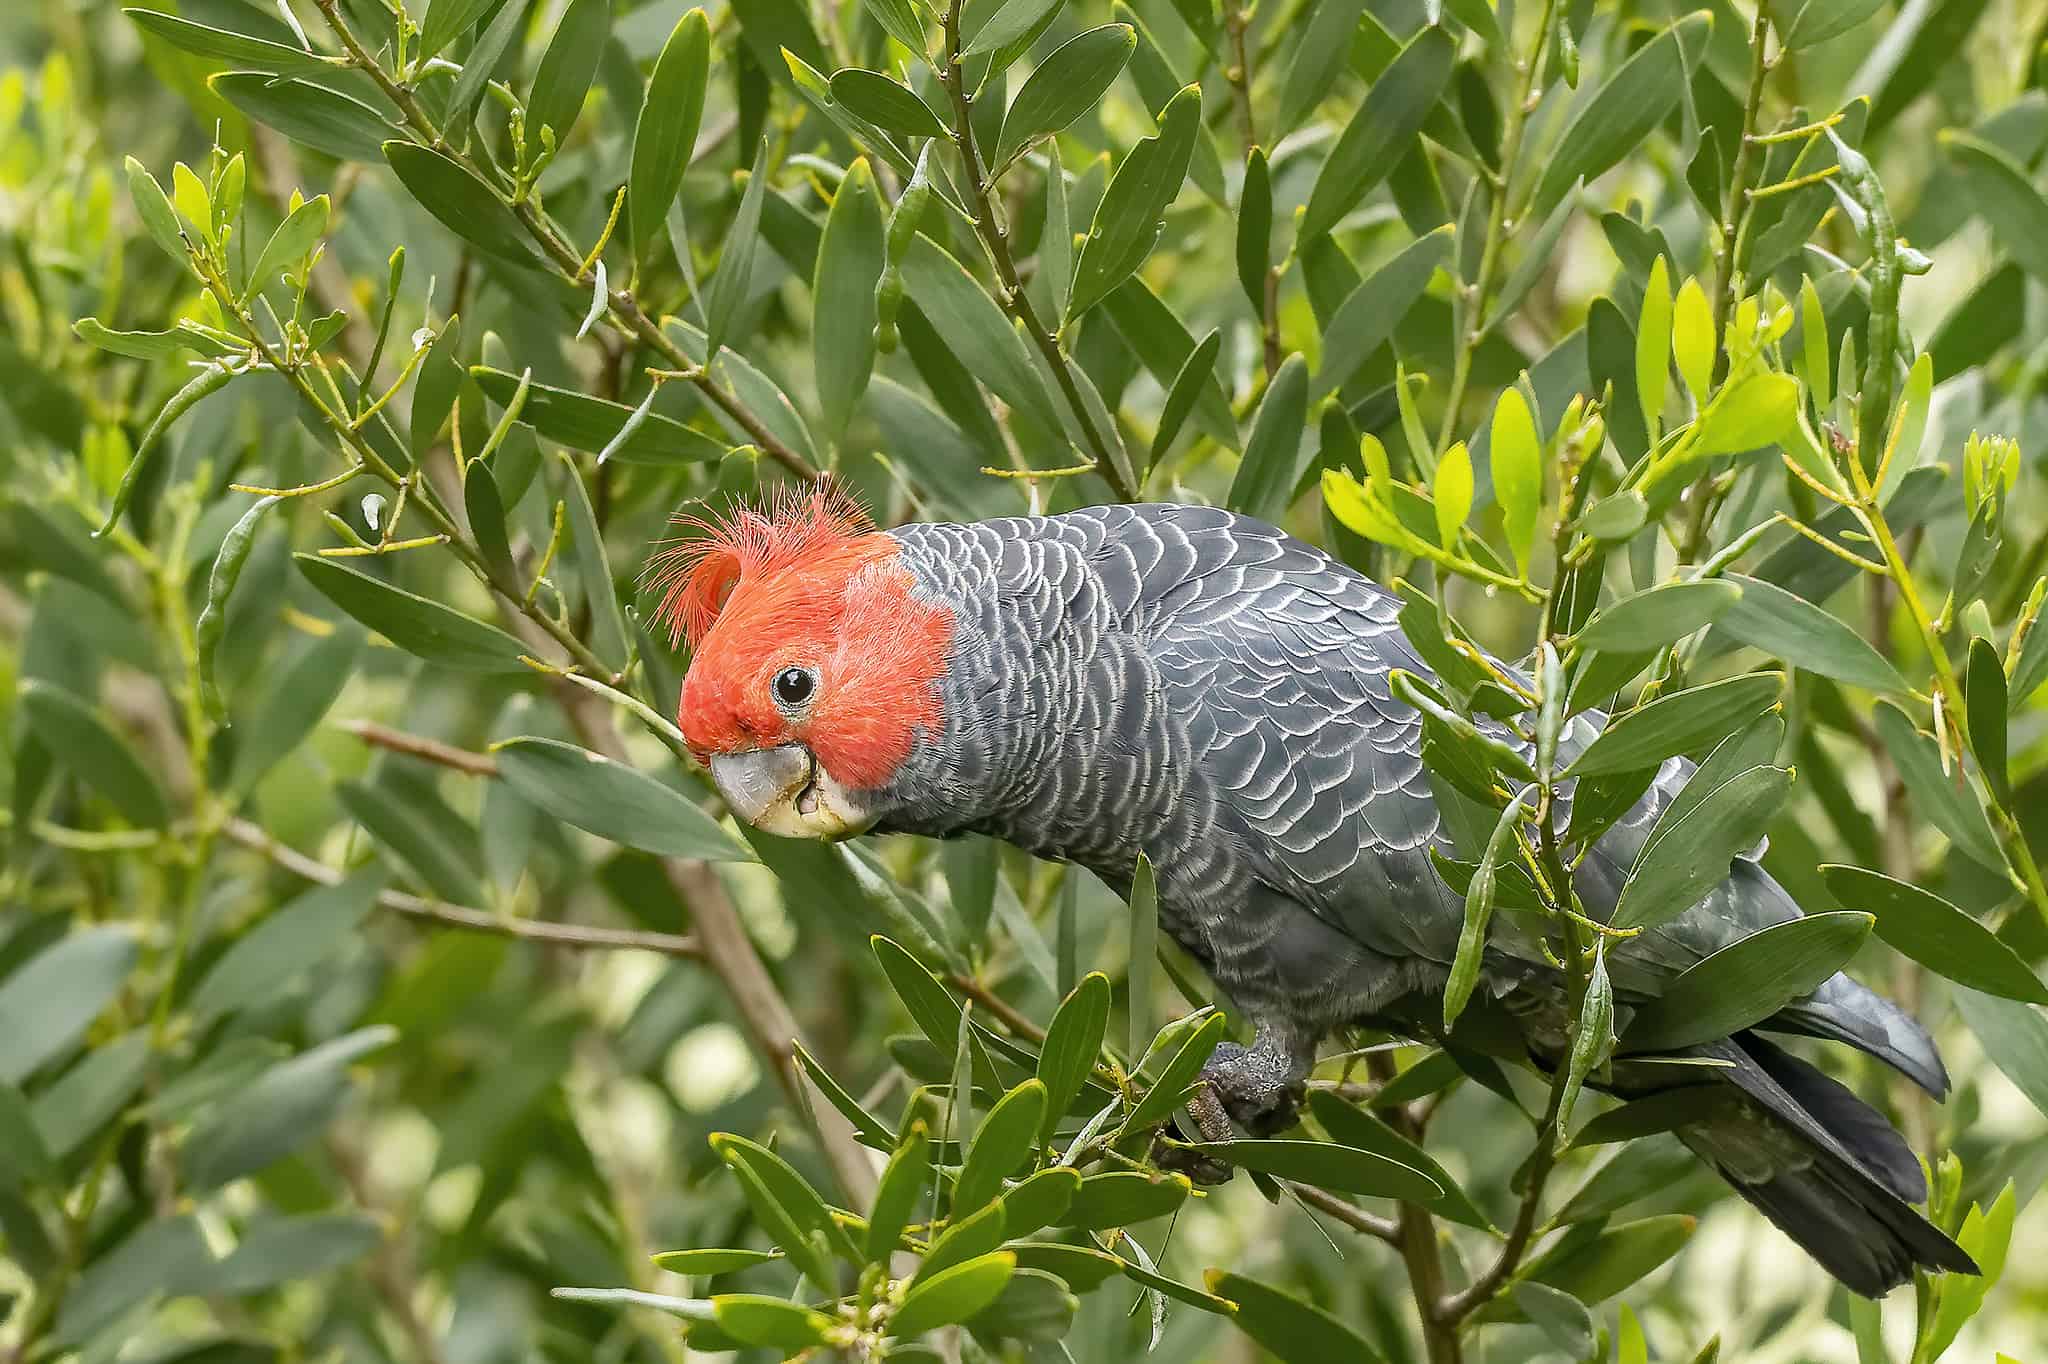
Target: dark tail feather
(1825, 1167)
(1844, 1010)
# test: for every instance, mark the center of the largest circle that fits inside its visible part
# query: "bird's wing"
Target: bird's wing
(1275, 658)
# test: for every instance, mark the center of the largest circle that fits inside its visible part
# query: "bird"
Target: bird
(1200, 689)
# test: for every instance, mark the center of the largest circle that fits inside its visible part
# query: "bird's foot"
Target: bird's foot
(1248, 1087)
(1257, 1089)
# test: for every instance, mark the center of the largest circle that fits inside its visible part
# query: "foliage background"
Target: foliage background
(537, 1112)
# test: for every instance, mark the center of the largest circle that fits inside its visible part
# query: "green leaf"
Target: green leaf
(1677, 723)
(1039, 1200)
(420, 626)
(766, 1175)
(92, 750)
(153, 206)
(1689, 856)
(432, 843)
(902, 20)
(1692, 338)
(2003, 193)
(1254, 245)
(1451, 494)
(448, 20)
(1369, 314)
(2015, 1036)
(965, 1239)
(1124, 1198)
(888, 104)
(952, 1295)
(1562, 1318)
(1009, 24)
(49, 1001)
(1272, 465)
(294, 701)
(1132, 212)
(902, 1185)
(1759, 410)
(758, 1319)
(1625, 110)
(228, 48)
(586, 423)
(1665, 1111)
(850, 258)
(142, 345)
(1327, 1165)
(1197, 375)
(283, 1109)
(1142, 957)
(1986, 1237)
(1747, 981)
(614, 801)
(607, 628)
(295, 237)
(311, 115)
(1516, 455)
(665, 134)
(1387, 120)
(1072, 1042)
(1035, 1305)
(1653, 348)
(1951, 805)
(975, 330)
(1659, 616)
(1936, 934)
(2030, 669)
(279, 1250)
(464, 204)
(1319, 58)
(1819, 20)
(1179, 1071)
(1081, 1268)
(1984, 692)
(1617, 517)
(1298, 1332)
(934, 1011)
(481, 60)
(1006, 1136)
(567, 68)
(289, 941)
(435, 389)
(1360, 1129)
(733, 281)
(1789, 627)
(710, 1261)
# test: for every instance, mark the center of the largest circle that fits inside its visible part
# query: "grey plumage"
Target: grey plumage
(1207, 690)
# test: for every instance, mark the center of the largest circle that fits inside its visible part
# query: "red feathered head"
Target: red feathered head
(805, 629)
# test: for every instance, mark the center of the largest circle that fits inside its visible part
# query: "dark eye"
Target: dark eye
(793, 686)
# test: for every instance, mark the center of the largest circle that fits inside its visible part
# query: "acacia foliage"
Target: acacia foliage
(372, 961)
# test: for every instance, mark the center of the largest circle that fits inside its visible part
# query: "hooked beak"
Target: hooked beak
(784, 791)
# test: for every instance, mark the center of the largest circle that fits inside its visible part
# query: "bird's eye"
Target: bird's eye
(793, 686)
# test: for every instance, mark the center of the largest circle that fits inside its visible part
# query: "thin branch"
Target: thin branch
(625, 310)
(995, 1004)
(257, 839)
(419, 746)
(1358, 1219)
(1011, 291)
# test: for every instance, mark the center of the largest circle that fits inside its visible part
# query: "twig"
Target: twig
(1011, 293)
(257, 839)
(995, 1004)
(1358, 1219)
(625, 310)
(1472, 315)
(419, 746)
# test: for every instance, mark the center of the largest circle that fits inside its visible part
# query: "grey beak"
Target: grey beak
(754, 781)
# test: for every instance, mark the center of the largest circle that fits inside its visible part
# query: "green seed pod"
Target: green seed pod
(213, 621)
(210, 380)
(909, 211)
